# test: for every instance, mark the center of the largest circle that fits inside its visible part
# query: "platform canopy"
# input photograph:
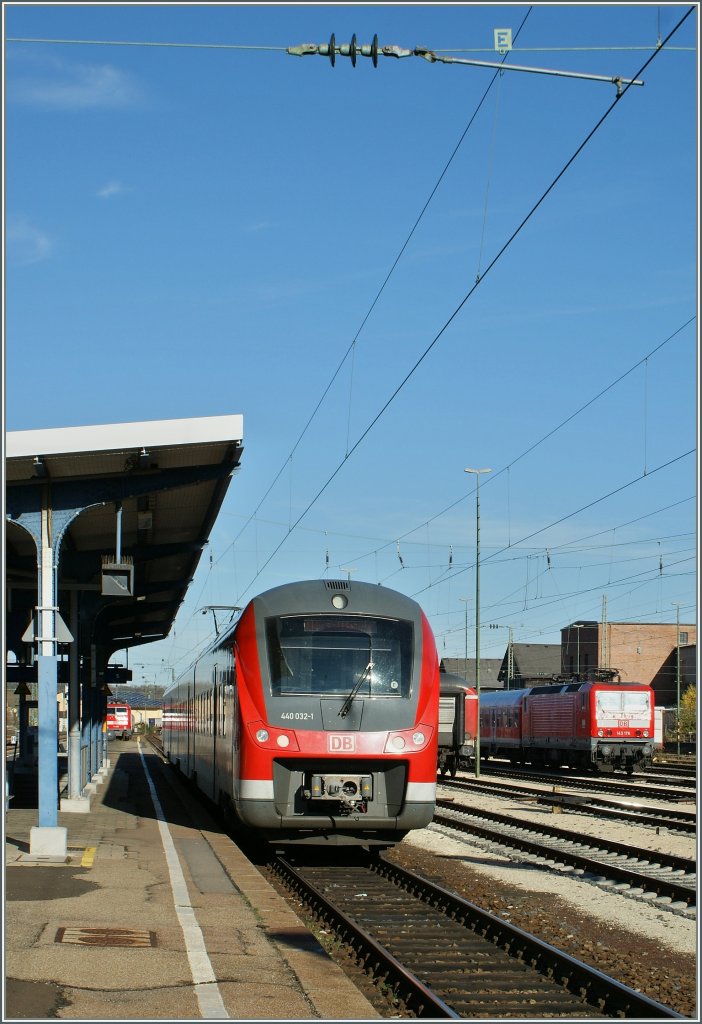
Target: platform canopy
(133, 505)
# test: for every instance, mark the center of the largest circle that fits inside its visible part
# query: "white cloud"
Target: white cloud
(57, 85)
(26, 243)
(261, 225)
(112, 188)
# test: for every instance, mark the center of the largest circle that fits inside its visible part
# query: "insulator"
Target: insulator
(332, 50)
(352, 51)
(371, 50)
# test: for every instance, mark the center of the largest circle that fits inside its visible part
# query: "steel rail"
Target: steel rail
(600, 806)
(421, 1000)
(614, 998)
(597, 784)
(564, 982)
(648, 883)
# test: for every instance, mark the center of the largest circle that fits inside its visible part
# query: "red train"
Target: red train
(458, 724)
(582, 725)
(118, 721)
(313, 719)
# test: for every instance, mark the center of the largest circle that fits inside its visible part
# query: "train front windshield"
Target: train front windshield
(332, 655)
(622, 704)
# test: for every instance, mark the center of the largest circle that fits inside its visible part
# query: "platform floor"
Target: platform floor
(155, 914)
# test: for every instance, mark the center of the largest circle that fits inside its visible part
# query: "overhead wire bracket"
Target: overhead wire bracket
(373, 51)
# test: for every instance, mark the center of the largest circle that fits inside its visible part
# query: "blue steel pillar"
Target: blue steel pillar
(47, 673)
(48, 839)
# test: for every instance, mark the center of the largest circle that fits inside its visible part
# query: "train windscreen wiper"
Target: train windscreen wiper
(346, 706)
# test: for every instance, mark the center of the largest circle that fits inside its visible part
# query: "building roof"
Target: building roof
(167, 477)
(533, 662)
(489, 668)
(135, 698)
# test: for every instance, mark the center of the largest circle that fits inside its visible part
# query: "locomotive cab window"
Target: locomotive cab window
(329, 655)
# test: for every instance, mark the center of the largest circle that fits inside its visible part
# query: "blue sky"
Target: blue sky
(199, 230)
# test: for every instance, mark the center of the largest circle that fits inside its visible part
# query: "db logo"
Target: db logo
(341, 744)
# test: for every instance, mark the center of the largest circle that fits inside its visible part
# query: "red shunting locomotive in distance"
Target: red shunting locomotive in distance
(586, 725)
(118, 721)
(314, 718)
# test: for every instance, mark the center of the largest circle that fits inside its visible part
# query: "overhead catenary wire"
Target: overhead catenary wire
(465, 299)
(290, 525)
(171, 44)
(583, 508)
(351, 346)
(536, 444)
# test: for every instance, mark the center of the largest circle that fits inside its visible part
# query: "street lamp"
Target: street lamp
(465, 666)
(577, 626)
(476, 473)
(676, 605)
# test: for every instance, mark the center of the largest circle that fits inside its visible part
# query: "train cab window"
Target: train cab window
(329, 655)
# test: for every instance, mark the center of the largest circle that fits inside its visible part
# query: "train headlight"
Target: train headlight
(600, 732)
(283, 740)
(418, 738)
(262, 735)
(398, 742)
(646, 733)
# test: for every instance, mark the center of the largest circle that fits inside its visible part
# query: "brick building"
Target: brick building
(635, 652)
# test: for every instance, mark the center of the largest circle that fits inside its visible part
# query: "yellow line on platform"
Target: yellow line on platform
(88, 857)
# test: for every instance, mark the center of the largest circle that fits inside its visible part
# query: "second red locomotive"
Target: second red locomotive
(581, 725)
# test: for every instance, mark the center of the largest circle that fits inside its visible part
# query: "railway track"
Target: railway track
(671, 818)
(444, 957)
(641, 874)
(596, 784)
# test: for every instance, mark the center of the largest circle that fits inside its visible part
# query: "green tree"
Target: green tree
(688, 710)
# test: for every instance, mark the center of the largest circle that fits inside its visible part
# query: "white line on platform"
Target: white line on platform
(209, 997)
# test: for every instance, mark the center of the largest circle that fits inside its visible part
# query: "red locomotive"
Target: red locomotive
(581, 725)
(313, 719)
(118, 721)
(458, 724)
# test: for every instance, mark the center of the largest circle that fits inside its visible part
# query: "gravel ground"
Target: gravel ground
(647, 948)
(644, 947)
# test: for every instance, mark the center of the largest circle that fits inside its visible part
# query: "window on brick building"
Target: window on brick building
(683, 637)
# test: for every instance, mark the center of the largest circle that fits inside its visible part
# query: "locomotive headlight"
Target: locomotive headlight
(418, 739)
(340, 601)
(646, 733)
(398, 742)
(283, 740)
(600, 732)
(262, 735)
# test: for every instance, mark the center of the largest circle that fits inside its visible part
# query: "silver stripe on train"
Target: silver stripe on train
(421, 792)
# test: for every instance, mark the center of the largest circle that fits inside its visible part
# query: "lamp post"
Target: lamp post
(465, 660)
(677, 672)
(577, 626)
(476, 473)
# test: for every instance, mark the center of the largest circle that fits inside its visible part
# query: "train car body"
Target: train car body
(314, 718)
(458, 724)
(118, 721)
(583, 725)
